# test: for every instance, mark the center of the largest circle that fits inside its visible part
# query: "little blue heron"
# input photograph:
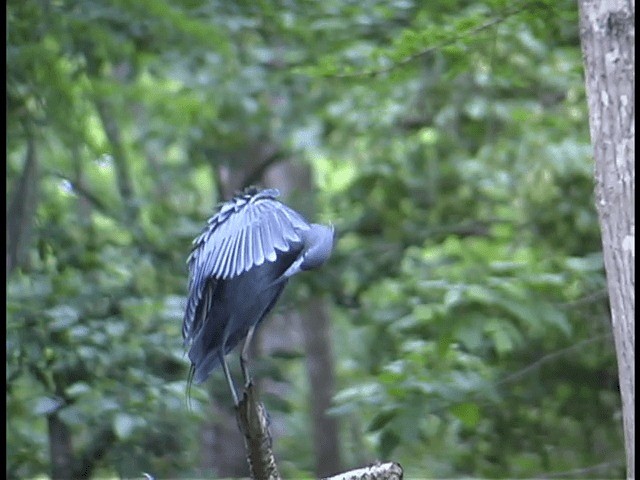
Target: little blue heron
(238, 268)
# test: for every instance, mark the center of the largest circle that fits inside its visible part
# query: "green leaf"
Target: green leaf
(124, 424)
(501, 340)
(468, 413)
(77, 389)
(381, 419)
(47, 405)
(63, 317)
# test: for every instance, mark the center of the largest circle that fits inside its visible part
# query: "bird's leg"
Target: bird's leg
(244, 357)
(227, 375)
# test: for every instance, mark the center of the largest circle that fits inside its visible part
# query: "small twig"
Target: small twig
(551, 356)
(269, 155)
(587, 299)
(79, 189)
(526, 370)
(432, 48)
(582, 471)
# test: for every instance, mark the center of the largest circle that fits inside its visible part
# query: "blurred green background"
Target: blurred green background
(461, 327)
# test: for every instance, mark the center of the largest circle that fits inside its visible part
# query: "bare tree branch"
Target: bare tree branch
(269, 154)
(438, 46)
(253, 422)
(83, 191)
(112, 131)
(123, 174)
(254, 425)
(378, 471)
(592, 297)
(550, 357)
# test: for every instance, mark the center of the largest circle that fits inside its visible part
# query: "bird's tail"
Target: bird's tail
(192, 371)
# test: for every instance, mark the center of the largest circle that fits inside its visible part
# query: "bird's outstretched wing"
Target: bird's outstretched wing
(246, 232)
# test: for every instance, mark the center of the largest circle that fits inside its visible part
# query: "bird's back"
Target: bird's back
(240, 303)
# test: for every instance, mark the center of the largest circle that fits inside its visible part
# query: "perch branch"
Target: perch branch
(253, 422)
(377, 471)
(254, 425)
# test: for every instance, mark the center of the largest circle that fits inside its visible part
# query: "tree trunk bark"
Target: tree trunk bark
(316, 328)
(223, 449)
(60, 448)
(316, 333)
(21, 213)
(607, 35)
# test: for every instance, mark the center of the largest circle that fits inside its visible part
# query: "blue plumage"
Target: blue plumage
(238, 268)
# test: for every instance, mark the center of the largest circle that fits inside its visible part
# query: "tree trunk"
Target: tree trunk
(60, 449)
(316, 333)
(21, 213)
(317, 341)
(223, 449)
(607, 35)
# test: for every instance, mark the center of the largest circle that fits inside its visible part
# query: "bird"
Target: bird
(238, 268)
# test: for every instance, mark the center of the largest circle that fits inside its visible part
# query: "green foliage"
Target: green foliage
(449, 145)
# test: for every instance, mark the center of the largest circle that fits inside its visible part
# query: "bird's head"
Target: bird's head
(319, 241)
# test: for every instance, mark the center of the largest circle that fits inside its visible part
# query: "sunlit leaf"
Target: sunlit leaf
(47, 405)
(468, 413)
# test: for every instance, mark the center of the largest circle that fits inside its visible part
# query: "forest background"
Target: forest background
(462, 326)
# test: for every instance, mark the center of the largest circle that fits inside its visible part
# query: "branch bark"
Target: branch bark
(292, 177)
(253, 422)
(254, 425)
(121, 162)
(112, 131)
(378, 471)
(607, 34)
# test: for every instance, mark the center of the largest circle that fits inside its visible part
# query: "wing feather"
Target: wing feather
(228, 257)
(275, 227)
(242, 255)
(249, 249)
(266, 238)
(234, 260)
(258, 251)
(292, 223)
(218, 258)
(244, 233)
(197, 312)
